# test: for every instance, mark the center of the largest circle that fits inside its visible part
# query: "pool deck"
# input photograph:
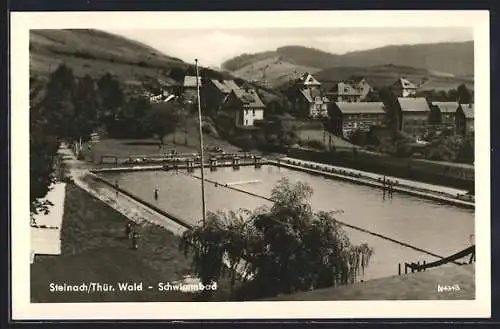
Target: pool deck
(458, 283)
(427, 191)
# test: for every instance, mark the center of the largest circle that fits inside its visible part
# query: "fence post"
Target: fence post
(406, 268)
(399, 269)
(423, 264)
(418, 268)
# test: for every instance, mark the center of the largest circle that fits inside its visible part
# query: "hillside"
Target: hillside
(94, 52)
(445, 61)
(385, 75)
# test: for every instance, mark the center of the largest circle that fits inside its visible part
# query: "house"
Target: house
(413, 115)
(347, 117)
(189, 88)
(404, 88)
(363, 86)
(307, 98)
(246, 106)
(344, 92)
(465, 119)
(446, 112)
(215, 93)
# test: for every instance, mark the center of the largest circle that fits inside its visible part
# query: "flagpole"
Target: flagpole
(201, 144)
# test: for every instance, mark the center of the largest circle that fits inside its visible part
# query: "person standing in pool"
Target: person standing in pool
(117, 186)
(156, 192)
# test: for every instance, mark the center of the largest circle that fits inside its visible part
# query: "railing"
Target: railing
(417, 267)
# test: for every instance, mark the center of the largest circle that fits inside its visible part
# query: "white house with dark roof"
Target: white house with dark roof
(307, 97)
(348, 117)
(404, 88)
(413, 115)
(246, 106)
(465, 119)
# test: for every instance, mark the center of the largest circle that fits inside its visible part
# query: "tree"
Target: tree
(464, 94)
(57, 106)
(133, 115)
(161, 120)
(86, 108)
(177, 73)
(112, 97)
(283, 248)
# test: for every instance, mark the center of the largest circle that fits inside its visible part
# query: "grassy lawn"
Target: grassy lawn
(416, 286)
(321, 135)
(94, 249)
(150, 147)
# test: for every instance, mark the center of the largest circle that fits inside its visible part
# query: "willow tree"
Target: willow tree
(282, 248)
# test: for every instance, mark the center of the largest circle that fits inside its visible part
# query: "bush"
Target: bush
(315, 144)
(245, 142)
(209, 129)
(272, 241)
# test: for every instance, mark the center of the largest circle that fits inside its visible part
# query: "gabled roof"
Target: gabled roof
(221, 86)
(190, 81)
(310, 94)
(409, 104)
(167, 81)
(446, 107)
(405, 83)
(345, 89)
(307, 79)
(249, 98)
(361, 107)
(468, 110)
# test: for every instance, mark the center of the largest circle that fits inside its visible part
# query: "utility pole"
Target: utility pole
(201, 145)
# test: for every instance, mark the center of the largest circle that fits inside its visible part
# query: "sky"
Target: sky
(214, 46)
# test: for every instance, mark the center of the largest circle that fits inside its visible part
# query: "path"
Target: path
(46, 234)
(432, 187)
(128, 207)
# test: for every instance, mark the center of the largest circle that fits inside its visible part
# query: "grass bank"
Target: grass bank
(94, 249)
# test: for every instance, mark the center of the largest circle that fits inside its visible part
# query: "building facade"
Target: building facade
(446, 112)
(215, 93)
(189, 88)
(404, 88)
(414, 116)
(246, 107)
(465, 120)
(348, 117)
(344, 92)
(307, 98)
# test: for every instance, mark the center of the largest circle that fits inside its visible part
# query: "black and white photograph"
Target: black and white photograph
(279, 158)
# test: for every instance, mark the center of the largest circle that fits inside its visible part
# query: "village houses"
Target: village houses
(246, 107)
(465, 119)
(189, 91)
(446, 112)
(404, 88)
(413, 114)
(307, 97)
(347, 117)
(344, 92)
(215, 92)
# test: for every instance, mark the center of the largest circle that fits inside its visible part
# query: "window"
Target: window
(253, 112)
(246, 122)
